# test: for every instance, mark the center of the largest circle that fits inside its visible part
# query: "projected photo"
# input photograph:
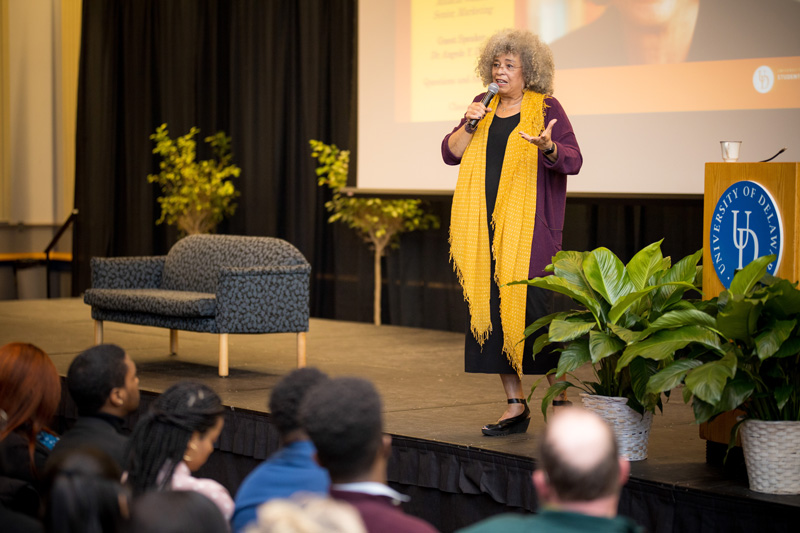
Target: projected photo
(660, 55)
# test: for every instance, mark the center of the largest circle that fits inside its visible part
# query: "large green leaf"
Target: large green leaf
(543, 321)
(783, 394)
(567, 330)
(744, 280)
(569, 266)
(606, 274)
(738, 319)
(685, 271)
(666, 342)
(708, 381)
(632, 299)
(575, 355)
(703, 411)
(785, 301)
(789, 348)
(555, 389)
(681, 317)
(562, 286)
(640, 375)
(624, 303)
(735, 393)
(644, 264)
(686, 393)
(634, 403)
(601, 345)
(770, 340)
(540, 342)
(626, 334)
(671, 376)
(683, 305)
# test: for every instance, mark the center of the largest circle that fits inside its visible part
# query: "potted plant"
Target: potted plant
(377, 220)
(196, 195)
(623, 307)
(754, 365)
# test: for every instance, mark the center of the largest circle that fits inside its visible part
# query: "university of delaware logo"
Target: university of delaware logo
(746, 225)
(763, 79)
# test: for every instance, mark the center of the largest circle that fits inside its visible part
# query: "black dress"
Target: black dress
(491, 359)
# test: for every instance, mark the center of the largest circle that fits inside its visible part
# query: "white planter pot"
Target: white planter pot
(772, 454)
(631, 429)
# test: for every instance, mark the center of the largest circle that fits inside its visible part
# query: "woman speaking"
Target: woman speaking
(508, 210)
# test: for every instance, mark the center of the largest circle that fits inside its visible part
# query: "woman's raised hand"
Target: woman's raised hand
(543, 141)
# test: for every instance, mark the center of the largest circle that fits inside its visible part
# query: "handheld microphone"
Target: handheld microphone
(490, 92)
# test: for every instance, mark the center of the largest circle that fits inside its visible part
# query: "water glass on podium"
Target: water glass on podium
(730, 150)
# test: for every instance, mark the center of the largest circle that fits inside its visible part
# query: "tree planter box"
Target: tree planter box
(772, 454)
(631, 429)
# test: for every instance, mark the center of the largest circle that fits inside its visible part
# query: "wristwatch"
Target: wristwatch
(550, 150)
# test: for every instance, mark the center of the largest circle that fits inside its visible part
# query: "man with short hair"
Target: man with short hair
(343, 418)
(579, 480)
(292, 468)
(103, 384)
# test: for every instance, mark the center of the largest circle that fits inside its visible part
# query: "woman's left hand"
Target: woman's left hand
(543, 141)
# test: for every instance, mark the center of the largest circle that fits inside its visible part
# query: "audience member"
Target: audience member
(19, 522)
(84, 494)
(343, 418)
(174, 439)
(30, 391)
(578, 481)
(174, 512)
(307, 514)
(292, 468)
(103, 384)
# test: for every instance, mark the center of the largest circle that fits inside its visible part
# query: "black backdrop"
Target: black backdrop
(274, 74)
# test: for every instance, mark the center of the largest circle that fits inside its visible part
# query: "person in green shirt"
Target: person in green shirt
(578, 480)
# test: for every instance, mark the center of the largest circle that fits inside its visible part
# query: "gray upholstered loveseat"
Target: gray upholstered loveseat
(209, 283)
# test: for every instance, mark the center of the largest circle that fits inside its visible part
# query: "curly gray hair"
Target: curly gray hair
(538, 69)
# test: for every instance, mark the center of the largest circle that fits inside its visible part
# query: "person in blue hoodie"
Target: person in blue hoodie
(292, 468)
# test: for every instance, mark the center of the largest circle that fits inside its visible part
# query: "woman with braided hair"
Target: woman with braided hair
(174, 439)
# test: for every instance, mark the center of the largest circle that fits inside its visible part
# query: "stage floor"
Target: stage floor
(427, 395)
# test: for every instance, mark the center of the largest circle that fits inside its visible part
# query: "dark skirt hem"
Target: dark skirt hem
(491, 360)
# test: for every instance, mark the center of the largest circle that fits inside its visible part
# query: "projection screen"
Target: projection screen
(651, 86)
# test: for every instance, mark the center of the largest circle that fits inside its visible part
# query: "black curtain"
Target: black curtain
(272, 74)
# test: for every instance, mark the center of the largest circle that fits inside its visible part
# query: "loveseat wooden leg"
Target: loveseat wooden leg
(98, 332)
(301, 349)
(223, 354)
(173, 341)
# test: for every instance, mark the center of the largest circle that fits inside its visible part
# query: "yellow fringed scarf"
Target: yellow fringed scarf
(513, 218)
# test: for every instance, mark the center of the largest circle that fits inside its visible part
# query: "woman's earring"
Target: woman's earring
(186, 457)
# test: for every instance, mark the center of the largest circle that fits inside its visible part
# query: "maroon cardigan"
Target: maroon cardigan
(551, 186)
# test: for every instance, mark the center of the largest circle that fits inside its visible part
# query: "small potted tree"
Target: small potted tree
(378, 221)
(195, 195)
(623, 309)
(753, 365)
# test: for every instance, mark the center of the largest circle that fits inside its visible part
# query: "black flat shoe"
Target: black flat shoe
(562, 403)
(515, 424)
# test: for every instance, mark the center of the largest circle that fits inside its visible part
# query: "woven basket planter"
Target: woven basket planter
(772, 455)
(631, 429)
